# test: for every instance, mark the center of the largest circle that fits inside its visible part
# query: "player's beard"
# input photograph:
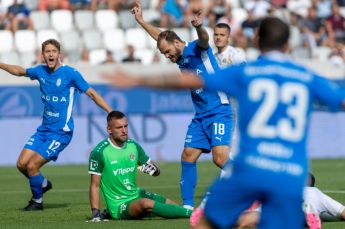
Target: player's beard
(120, 139)
(178, 55)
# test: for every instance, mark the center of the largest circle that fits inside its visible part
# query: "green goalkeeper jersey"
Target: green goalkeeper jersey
(118, 170)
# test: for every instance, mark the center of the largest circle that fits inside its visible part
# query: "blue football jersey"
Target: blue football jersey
(274, 97)
(201, 61)
(58, 93)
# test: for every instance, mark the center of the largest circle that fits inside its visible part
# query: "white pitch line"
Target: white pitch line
(86, 190)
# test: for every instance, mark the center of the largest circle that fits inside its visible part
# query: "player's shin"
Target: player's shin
(36, 187)
(188, 182)
(170, 211)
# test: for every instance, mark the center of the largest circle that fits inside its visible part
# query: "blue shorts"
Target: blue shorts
(230, 196)
(48, 144)
(208, 130)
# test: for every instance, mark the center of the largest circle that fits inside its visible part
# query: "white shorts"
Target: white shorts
(327, 208)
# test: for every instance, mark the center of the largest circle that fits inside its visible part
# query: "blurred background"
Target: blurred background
(101, 35)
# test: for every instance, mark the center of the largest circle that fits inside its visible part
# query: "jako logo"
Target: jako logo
(15, 102)
(123, 171)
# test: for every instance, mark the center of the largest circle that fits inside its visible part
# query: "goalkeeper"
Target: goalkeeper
(113, 167)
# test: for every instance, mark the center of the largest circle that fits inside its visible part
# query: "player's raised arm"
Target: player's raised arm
(185, 80)
(98, 99)
(13, 69)
(203, 37)
(150, 29)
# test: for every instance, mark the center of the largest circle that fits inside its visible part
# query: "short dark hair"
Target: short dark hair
(51, 42)
(311, 180)
(273, 34)
(115, 115)
(169, 36)
(223, 26)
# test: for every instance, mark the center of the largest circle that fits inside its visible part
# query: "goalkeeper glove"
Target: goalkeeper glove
(150, 168)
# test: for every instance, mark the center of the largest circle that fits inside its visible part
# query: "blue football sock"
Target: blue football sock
(36, 186)
(188, 182)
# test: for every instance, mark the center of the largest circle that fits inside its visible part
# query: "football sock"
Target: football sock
(188, 182)
(44, 183)
(36, 187)
(170, 211)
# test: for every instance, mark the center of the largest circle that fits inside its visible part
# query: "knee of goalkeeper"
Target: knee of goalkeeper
(150, 168)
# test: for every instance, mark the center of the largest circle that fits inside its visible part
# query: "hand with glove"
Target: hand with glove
(150, 168)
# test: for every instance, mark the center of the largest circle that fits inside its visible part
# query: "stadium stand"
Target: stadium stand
(105, 28)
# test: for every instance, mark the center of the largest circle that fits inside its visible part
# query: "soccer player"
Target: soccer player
(211, 127)
(113, 168)
(226, 55)
(274, 97)
(58, 84)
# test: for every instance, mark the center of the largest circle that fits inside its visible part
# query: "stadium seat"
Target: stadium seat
(295, 40)
(145, 4)
(4, 4)
(6, 38)
(97, 56)
(209, 30)
(342, 11)
(183, 33)
(70, 41)
(92, 39)
(117, 35)
(27, 59)
(136, 37)
(32, 4)
(321, 53)
(25, 41)
(151, 15)
(127, 19)
(106, 19)
(62, 20)
(146, 56)
(40, 19)
(234, 3)
(154, 4)
(83, 19)
(43, 35)
(10, 58)
(239, 14)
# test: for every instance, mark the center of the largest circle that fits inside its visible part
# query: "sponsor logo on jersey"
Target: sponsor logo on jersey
(52, 114)
(218, 138)
(93, 165)
(54, 99)
(123, 171)
(198, 71)
(58, 82)
(132, 156)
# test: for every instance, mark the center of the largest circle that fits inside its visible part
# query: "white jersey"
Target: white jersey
(230, 56)
(327, 208)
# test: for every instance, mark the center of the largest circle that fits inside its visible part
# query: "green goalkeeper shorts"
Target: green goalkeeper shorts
(124, 208)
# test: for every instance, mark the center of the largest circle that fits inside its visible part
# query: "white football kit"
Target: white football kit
(231, 56)
(327, 208)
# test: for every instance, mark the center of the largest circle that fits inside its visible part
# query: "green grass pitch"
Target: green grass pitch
(67, 204)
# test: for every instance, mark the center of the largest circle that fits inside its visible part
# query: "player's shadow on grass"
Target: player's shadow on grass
(59, 205)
